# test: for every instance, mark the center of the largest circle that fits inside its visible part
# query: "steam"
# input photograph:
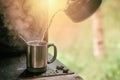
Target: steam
(28, 18)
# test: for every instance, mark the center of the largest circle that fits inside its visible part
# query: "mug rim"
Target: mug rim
(39, 43)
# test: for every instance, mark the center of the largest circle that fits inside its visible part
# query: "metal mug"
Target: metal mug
(78, 10)
(37, 56)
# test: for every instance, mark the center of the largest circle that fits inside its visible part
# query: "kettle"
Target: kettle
(78, 10)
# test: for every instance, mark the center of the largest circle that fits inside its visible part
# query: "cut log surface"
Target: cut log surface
(14, 68)
(61, 77)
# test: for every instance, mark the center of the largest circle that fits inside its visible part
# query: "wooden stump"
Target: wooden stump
(61, 77)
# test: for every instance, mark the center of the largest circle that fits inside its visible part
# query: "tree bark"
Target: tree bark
(98, 40)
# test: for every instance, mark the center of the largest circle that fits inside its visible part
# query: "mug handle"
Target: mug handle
(55, 53)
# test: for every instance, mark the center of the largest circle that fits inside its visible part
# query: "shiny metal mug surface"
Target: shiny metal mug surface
(37, 56)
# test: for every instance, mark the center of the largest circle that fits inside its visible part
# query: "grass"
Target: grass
(78, 55)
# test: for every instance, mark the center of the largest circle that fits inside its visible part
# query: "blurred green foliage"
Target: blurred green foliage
(79, 55)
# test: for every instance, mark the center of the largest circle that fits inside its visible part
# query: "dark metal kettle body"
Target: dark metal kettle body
(78, 10)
